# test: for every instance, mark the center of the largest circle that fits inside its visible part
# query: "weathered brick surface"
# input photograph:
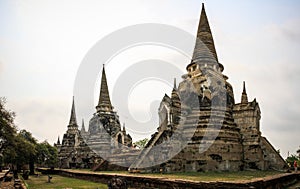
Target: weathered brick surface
(232, 129)
(200, 111)
(104, 143)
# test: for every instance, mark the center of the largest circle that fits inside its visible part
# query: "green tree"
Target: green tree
(28, 136)
(46, 155)
(20, 152)
(290, 159)
(7, 127)
(7, 130)
(32, 142)
(21, 148)
(141, 143)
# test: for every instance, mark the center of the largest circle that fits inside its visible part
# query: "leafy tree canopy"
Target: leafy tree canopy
(141, 143)
(7, 127)
(290, 159)
(46, 154)
(20, 148)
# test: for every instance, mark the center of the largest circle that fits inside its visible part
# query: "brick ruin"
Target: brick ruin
(104, 146)
(214, 133)
(105, 136)
(201, 127)
(73, 152)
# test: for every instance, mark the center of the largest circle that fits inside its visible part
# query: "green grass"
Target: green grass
(67, 183)
(199, 176)
(220, 176)
(60, 182)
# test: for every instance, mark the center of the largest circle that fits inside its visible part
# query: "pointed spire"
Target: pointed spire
(205, 51)
(244, 88)
(124, 130)
(244, 99)
(73, 121)
(205, 36)
(174, 87)
(82, 126)
(174, 94)
(104, 103)
(58, 141)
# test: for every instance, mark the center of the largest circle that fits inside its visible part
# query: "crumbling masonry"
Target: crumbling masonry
(223, 135)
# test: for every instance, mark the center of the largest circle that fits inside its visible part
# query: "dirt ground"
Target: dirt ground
(6, 185)
(295, 186)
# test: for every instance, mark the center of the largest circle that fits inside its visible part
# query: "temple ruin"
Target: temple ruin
(201, 126)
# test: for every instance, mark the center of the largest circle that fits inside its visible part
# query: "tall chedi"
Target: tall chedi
(104, 135)
(211, 138)
(73, 152)
(212, 132)
(104, 124)
(216, 142)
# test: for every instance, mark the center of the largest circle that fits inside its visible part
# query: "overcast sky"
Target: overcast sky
(42, 44)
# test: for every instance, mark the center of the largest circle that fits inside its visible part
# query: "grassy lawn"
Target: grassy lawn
(199, 176)
(221, 176)
(59, 182)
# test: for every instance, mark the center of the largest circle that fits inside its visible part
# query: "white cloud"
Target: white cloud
(268, 61)
(289, 30)
(45, 117)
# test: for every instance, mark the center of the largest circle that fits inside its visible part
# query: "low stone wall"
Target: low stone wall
(148, 182)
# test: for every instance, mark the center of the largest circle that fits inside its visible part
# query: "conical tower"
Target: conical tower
(204, 34)
(244, 99)
(174, 91)
(72, 149)
(104, 104)
(73, 122)
(204, 54)
(83, 127)
(104, 126)
(175, 105)
(205, 99)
